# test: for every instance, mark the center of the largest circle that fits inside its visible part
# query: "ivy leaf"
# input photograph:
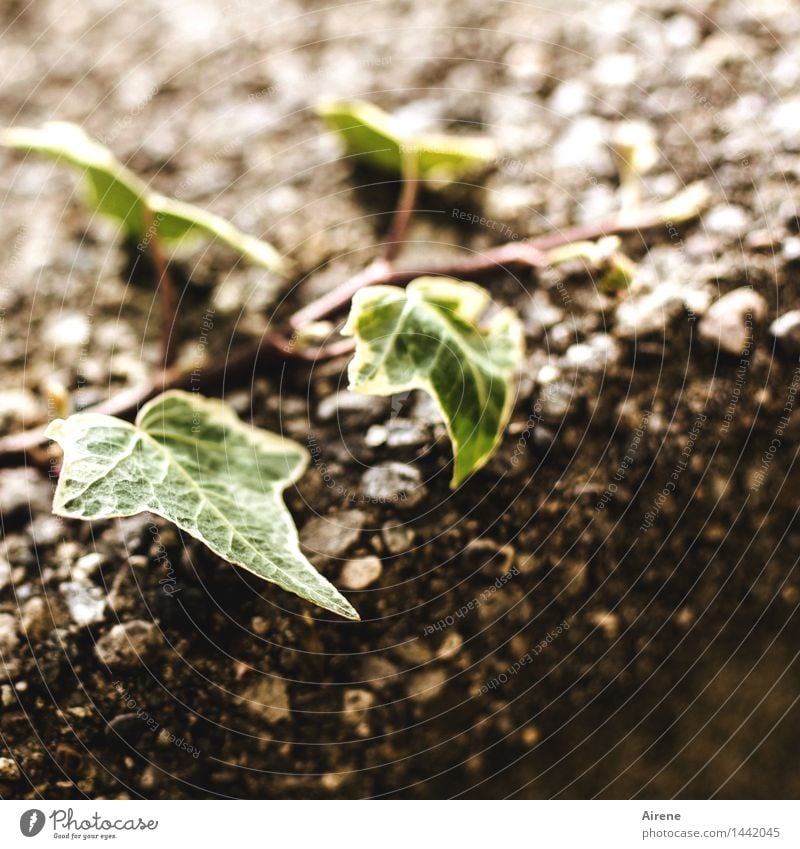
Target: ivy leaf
(192, 461)
(427, 336)
(380, 139)
(115, 191)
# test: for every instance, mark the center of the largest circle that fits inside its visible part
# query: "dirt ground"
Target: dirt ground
(610, 607)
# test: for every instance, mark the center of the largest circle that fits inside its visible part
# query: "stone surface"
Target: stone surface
(9, 645)
(37, 618)
(730, 322)
(23, 494)
(268, 699)
(86, 602)
(348, 405)
(397, 538)
(332, 536)
(359, 573)
(650, 314)
(396, 483)
(9, 770)
(597, 354)
(129, 644)
(786, 331)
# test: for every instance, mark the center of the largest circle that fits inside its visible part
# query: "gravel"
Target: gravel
(786, 331)
(361, 572)
(730, 322)
(334, 535)
(86, 603)
(128, 645)
(396, 483)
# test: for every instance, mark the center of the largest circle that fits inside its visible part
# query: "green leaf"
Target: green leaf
(427, 336)
(379, 139)
(191, 460)
(115, 191)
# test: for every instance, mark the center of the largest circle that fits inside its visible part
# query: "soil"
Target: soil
(610, 607)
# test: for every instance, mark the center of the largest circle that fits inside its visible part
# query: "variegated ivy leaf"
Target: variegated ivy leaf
(115, 191)
(428, 336)
(381, 140)
(192, 461)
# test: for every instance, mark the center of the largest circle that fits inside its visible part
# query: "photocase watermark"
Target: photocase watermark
(518, 665)
(627, 462)
(65, 825)
(780, 428)
(472, 604)
(680, 467)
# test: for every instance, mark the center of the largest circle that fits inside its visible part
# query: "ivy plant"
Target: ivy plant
(381, 140)
(428, 336)
(116, 192)
(190, 460)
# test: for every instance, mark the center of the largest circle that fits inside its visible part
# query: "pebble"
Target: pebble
(393, 482)
(128, 644)
(9, 639)
(268, 699)
(596, 354)
(785, 330)
(616, 70)
(790, 250)
(332, 536)
(87, 565)
(728, 221)
(649, 314)
(397, 538)
(451, 645)
(37, 618)
(427, 685)
(20, 409)
(359, 573)
(379, 672)
(23, 494)
(540, 314)
(5, 574)
(46, 530)
(555, 401)
(786, 123)
(86, 602)
(582, 147)
(355, 704)
(569, 98)
(9, 646)
(70, 329)
(728, 323)
(9, 770)
(342, 405)
(405, 433)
